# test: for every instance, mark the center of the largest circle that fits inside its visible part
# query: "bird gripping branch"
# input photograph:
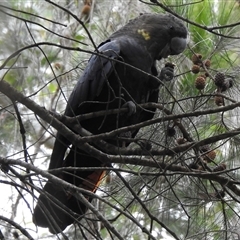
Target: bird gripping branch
(107, 84)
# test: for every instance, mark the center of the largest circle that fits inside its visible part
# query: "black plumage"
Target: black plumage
(109, 84)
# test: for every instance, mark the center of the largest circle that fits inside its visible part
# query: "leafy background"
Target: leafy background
(156, 195)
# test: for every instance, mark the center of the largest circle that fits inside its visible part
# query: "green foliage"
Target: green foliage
(174, 200)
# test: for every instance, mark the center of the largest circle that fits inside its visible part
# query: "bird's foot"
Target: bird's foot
(131, 107)
(167, 73)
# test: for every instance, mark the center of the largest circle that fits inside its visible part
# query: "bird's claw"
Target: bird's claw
(131, 107)
(166, 74)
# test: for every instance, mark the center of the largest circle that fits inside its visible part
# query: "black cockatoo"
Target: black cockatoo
(108, 84)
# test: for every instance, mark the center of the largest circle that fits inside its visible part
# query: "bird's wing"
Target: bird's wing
(95, 74)
(88, 87)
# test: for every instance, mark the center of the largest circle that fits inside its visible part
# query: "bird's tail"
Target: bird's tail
(57, 207)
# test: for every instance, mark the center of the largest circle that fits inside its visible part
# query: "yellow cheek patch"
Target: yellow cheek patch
(144, 33)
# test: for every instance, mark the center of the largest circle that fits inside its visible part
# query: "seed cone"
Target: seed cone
(196, 58)
(219, 168)
(207, 63)
(195, 69)
(219, 79)
(219, 101)
(210, 156)
(200, 83)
